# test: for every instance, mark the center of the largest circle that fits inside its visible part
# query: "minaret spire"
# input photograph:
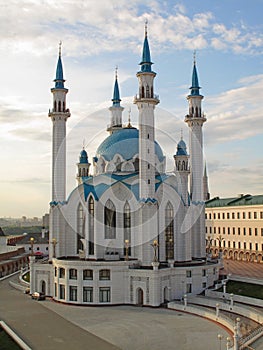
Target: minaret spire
(116, 109)
(146, 56)
(205, 185)
(195, 83)
(59, 80)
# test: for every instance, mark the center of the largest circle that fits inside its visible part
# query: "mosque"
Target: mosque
(129, 233)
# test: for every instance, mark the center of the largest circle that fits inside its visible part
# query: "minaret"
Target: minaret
(59, 115)
(146, 102)
(83, 166)
(205, 185)
(116, 109)
(182, 170)
(195, 120)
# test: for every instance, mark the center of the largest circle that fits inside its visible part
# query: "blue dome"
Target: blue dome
(83, 158)
(181, 149)
(126, 143)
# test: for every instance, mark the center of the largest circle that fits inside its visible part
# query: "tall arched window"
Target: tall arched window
(91, 224)
(127, 228)
(169, 231)
(110, 220)
(80, 227)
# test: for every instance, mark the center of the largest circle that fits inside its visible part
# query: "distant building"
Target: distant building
(235, 225)
(45, 221)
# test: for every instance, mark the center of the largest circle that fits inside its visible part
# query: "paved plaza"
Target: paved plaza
(48, 325)
(243, 268)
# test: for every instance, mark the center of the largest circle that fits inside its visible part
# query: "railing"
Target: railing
(250, 338)
(148, 96)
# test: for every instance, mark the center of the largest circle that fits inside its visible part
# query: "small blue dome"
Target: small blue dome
(124, 142)
(181, 149)
(83, 158)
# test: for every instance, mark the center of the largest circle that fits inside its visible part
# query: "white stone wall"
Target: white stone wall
(124, 283)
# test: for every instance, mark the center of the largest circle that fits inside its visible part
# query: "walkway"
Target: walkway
(41, 328)
(243, 268)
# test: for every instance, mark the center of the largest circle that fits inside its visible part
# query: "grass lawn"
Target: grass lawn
(26, 277)
(246, 289)
(6, 342)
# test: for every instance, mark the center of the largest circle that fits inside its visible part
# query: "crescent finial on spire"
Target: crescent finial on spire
(59, 50)
(116, 72)
(194, 56)
(146, 23)
(129, 118)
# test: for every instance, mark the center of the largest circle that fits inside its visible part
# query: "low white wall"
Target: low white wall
(228, 323)
(14, 336)
(237, 298)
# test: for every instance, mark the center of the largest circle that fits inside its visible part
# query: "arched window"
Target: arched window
(147, 91)
(127, 228)
(142, 91)
(91, 224)
(59, 106)
(169, 231)
(110, 220)
(80, 227)
(63, 106)
(55, 106)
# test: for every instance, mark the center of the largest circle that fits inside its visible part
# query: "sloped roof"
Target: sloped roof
(241, 200)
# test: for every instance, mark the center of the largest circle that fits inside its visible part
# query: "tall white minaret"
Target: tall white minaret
(116, 109)
(146, 101)
(205, 185)
(182, 170)
(195, 120)
(59, 115)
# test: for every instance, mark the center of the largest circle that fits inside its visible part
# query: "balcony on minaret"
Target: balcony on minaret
(65, 113)
(147, 97)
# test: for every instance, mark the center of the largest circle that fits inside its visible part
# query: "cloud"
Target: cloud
(93, 27)
(235, 114)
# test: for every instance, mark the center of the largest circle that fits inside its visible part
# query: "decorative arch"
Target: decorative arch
(139, 297)
(169, 231)
(91, 211)
(43, 287)
(166, 294)
(127, 228)
(110, 220)
(80, 226)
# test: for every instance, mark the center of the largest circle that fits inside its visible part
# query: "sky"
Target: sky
(96, 37)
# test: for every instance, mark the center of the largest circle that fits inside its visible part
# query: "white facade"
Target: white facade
(129, 233)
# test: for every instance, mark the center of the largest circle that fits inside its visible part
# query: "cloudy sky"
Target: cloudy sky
(97, 36)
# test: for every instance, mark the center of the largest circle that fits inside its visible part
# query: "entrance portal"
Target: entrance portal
(43, 287)
(139, 297)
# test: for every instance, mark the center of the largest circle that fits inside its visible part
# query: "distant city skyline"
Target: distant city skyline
(97, 36)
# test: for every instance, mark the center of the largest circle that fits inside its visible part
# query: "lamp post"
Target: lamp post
(127, 243)
(155, 246)
(228, 340)
(54, 243)
(32, 241)
(238, 326)
(231, 300)
(220, 337)
(217, 310)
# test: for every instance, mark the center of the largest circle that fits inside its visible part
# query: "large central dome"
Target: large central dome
(124, 142)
